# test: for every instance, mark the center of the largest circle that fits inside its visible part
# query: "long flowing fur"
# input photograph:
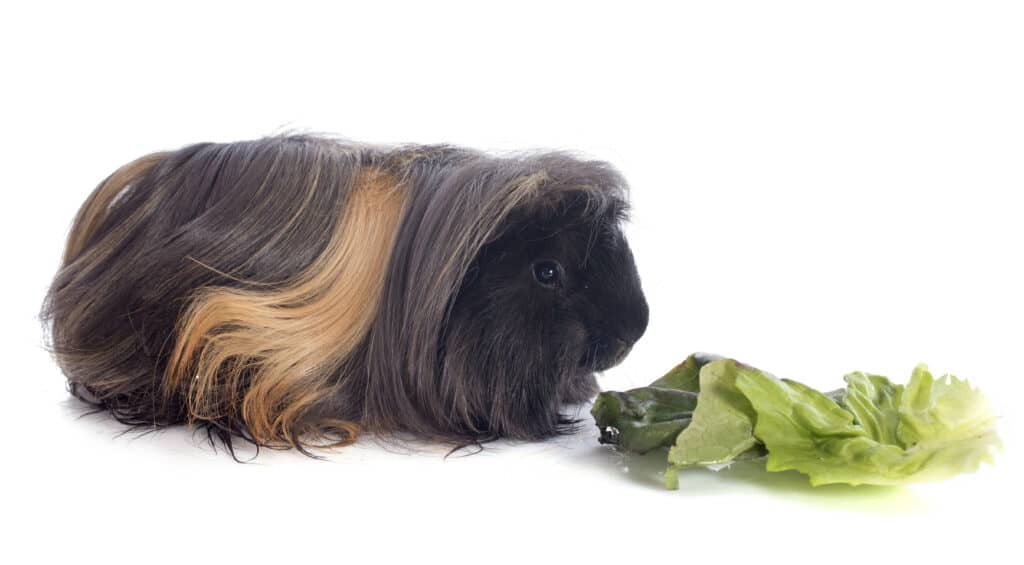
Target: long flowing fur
(295, 290)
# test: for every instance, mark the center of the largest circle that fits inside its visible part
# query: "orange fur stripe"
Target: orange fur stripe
(267, 355)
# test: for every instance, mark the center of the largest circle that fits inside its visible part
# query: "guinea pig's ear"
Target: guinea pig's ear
(566, 209)
(588, 186)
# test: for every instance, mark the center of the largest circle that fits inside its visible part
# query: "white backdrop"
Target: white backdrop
(818, 188)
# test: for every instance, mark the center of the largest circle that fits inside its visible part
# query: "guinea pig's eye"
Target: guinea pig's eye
(547, 273)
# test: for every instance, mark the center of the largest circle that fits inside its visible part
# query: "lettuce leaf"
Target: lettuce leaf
(885, 435)
(642, 419)
(711, 411)
(722, 426)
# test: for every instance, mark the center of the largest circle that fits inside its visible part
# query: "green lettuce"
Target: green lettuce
(646, 418)
(722, 426)
(710, 411)
(882, 434)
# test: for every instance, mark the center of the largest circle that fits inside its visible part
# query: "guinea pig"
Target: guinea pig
(296, 290)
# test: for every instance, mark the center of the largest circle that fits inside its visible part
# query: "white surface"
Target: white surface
(817, 189)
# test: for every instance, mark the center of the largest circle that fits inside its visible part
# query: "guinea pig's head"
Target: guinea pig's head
(515, 285)
(553, 299)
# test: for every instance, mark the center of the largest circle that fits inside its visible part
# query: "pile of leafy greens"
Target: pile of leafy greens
(710, 411)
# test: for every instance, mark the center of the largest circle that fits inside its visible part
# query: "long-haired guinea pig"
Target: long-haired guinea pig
(295, 290)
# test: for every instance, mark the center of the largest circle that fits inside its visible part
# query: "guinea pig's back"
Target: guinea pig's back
(185, 262)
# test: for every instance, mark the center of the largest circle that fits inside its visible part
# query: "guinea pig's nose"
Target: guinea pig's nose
(639, 325)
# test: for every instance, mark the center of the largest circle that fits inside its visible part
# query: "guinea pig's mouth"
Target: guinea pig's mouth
(603, 354)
